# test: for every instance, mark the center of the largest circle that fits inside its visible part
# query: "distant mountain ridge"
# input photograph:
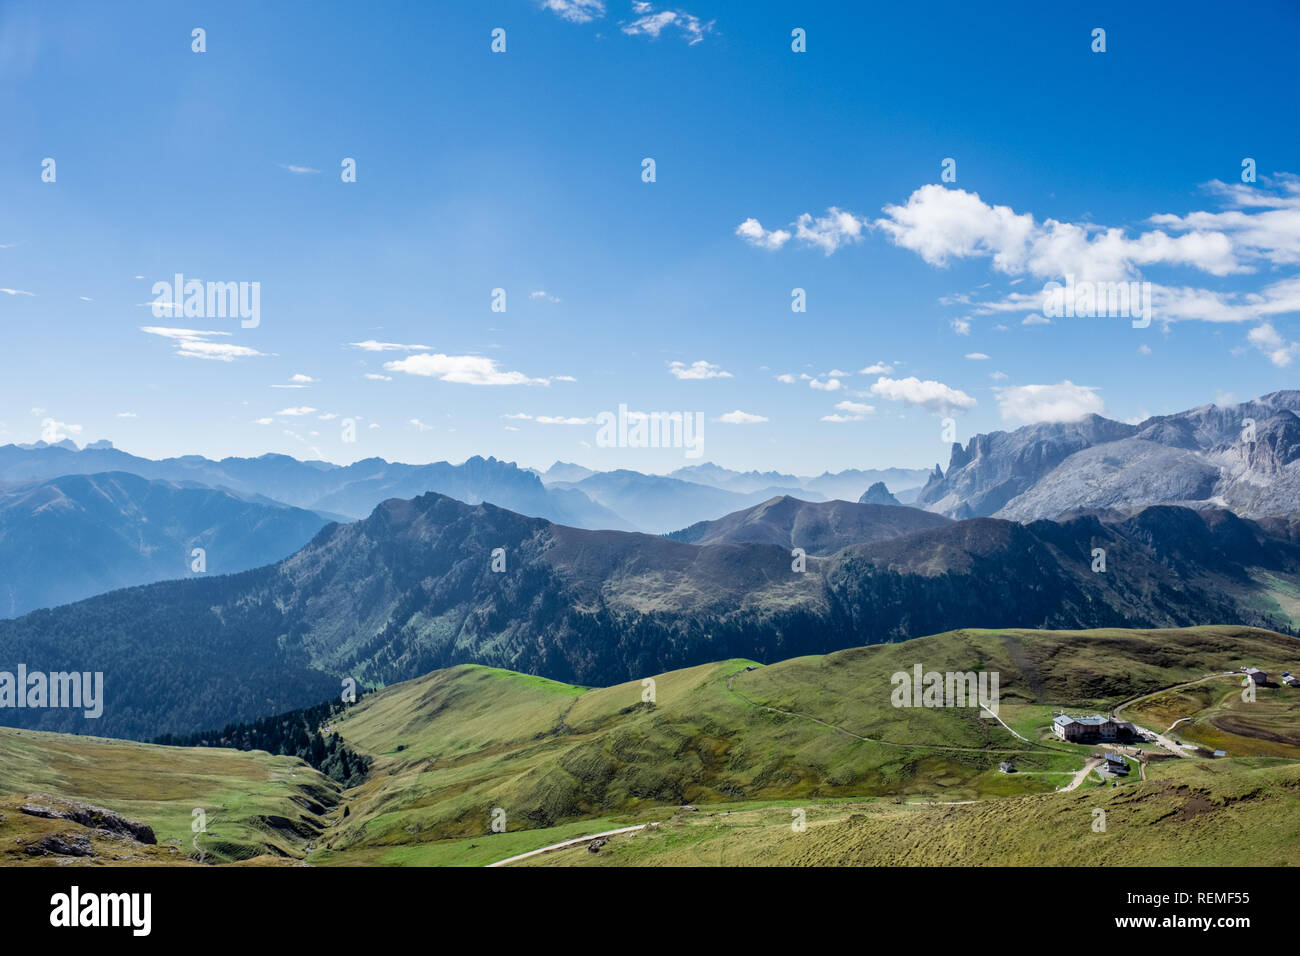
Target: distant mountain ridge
(411, 589)
(660, 504)
(819, 528)
(350, 490)
(848, 485)
(1243, 457)
(67, 538)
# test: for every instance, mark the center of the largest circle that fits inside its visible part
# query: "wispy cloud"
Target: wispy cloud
(849, 412)
(1269, 341)
(575, 11)
(651, 22)
(370, 345)
(193, 343)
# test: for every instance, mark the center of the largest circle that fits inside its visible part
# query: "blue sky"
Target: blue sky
(522, 171)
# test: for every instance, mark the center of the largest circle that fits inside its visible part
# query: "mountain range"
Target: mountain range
(846, 485)
(412, 588)
(66, 538)
(1243, 457)
(346, 491)
(818, 528)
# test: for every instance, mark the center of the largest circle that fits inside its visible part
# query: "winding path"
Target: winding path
(1168, 743)
(564, 844)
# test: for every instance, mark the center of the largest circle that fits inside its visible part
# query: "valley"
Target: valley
(709, 765)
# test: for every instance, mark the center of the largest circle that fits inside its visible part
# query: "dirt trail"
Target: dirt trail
(563, 844)
(1089, 765)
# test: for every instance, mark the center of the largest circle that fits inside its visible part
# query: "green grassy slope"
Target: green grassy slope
(454, 745)
(1206, 813)
(256, 804)
(746, 744)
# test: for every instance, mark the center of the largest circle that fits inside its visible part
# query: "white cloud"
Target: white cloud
(263, 421)
(1260, 231)
(828, 233)
(1269, 341)
(931, 395)
(16, 292)
(297, 410)
(461, 369)
(563, 378)
(830, 385)
(961, 326)
(1144, 350)
(52, 431)
(752, 231)
(787, 378)
(849, 412)
(1064, 402)
(561, 420)
(879, 368)
(298, 170)
(544, 295)
(652, 23)
(1270, 233)
(419, 425)
(127, 415)
(301, 379)
(370, 345)
(376, 377)
(976, 356)
(741, 418)
(942, 224)
(576, 11)
(696, 370)
(193, 343)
